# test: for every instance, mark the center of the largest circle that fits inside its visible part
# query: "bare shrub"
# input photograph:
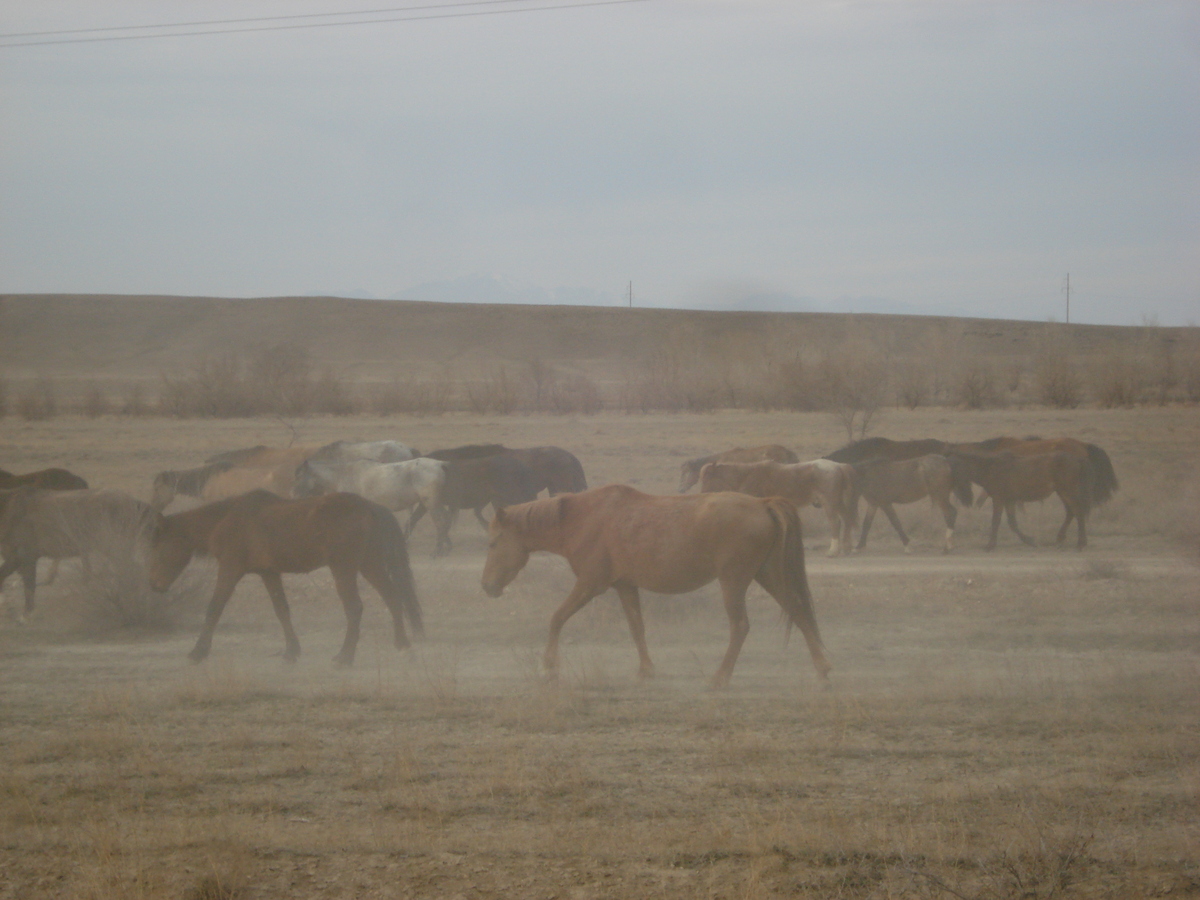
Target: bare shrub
(542, 377)
(856, 394)
(912, 385)
(95, 403)
(1118, 381)
(976, 387)
(3, 398)
(39, 401)
(576, 394)
(1163, 376)
(329, 395)
(134, 402)
(1190, 381)
(408, 396)
(497, 394)
(1058, 383)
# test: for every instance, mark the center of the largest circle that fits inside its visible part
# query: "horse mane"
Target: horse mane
(467, 451)
(993, 443)
(536, 515)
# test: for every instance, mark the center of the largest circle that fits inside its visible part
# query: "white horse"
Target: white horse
(398, 485)
(375, 451)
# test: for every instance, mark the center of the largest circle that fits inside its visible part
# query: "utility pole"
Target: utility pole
(1067, 291)
(631, 295)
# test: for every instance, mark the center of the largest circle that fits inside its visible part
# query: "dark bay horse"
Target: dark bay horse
(886, 448)
(46, 479)
(1010, 479)
(259, 533)
(883, 483)
(558, 470)
(36, 523)
(617, 537)
(689, 470)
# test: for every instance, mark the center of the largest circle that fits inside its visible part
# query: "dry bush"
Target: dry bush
(39, 401)
(1058, 383)
(95, 403)
(3, 398)
(134, 402)
(912, 385)
(668, 382)
(976, 387)
(1118, 380)
(576, 394)
(408, 396)
(497, 395)
(542, 378)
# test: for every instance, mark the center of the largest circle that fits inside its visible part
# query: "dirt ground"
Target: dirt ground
(1017, 724)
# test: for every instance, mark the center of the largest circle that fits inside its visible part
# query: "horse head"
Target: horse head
(689, 473)
(507, 554)
(310, 481)
(169, 553)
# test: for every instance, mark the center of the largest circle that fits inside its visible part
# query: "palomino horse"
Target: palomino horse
(66, 524)
(46, 479)
(882, 483)
(398, 485)
(689, 470)
(830, 484)
(1011, 479)
(618, 537)
(262, 534)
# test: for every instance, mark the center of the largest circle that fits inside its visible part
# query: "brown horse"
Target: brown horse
(262, 534)
(66, 524)
(821, 481)
(1011, 479)
(883, 483)
(618, 537)
(689, 470)
(46, 479)
(1105, 482)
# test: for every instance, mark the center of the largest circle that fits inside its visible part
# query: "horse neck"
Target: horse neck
(542, 527)
(197, 524)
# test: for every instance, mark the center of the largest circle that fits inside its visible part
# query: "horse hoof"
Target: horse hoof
(908, 549)
(343, 662)
(198, 656)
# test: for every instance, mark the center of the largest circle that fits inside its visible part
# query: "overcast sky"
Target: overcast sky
(933, 157)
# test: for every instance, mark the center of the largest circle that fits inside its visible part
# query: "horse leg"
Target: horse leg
(734, 594)
(52, 574)
(579, 597)
(866, 526)
(835, 529)
(1062, 532)
(274, 585)
(346, 582)
(950, 516)
(479, 516)
(632, 605)
(413, 518)
(890, 512)
(1011, 513)
(442, 519)
(226, 582)
(997, 512)
(376, 575)
(796, 603)
(6, 569)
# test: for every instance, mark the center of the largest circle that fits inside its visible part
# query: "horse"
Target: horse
(46, 479)
(189, 482)
(499, 479)
(617, 537)
(830, 483)
(883, 483)
(885, 448)
(259, 533)
(689, 470)
(559, 470)
(397, 486)
(1010, 478)
(373, 451)
(262, 455)
(65, 524)
(1105, 482)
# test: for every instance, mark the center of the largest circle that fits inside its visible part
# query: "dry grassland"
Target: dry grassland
(1017, 725)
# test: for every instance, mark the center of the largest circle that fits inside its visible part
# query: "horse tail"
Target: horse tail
(1105, 479)
(1089, 486)
(961, 484)
(783, 569)
(850, 494)
(578, 479)
(394, 550)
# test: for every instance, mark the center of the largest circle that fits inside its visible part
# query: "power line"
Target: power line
(351, 12)
(421, 18)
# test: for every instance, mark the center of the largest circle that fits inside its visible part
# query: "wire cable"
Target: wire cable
(421, 18)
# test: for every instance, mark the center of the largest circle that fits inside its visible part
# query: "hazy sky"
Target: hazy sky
(933, 156)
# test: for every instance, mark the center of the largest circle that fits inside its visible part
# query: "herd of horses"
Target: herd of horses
(273, 511)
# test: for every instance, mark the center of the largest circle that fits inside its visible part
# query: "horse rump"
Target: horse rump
(1104, 478)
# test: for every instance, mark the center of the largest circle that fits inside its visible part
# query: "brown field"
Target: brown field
(1022, 724)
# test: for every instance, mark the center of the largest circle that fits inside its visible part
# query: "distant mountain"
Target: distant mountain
(480, 288)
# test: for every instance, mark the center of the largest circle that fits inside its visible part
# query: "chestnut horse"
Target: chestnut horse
(617, 537)
(259, 533)
(883, 483)
(1011, 479)
(1104, 483)
(689, 470)
(831, 485)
